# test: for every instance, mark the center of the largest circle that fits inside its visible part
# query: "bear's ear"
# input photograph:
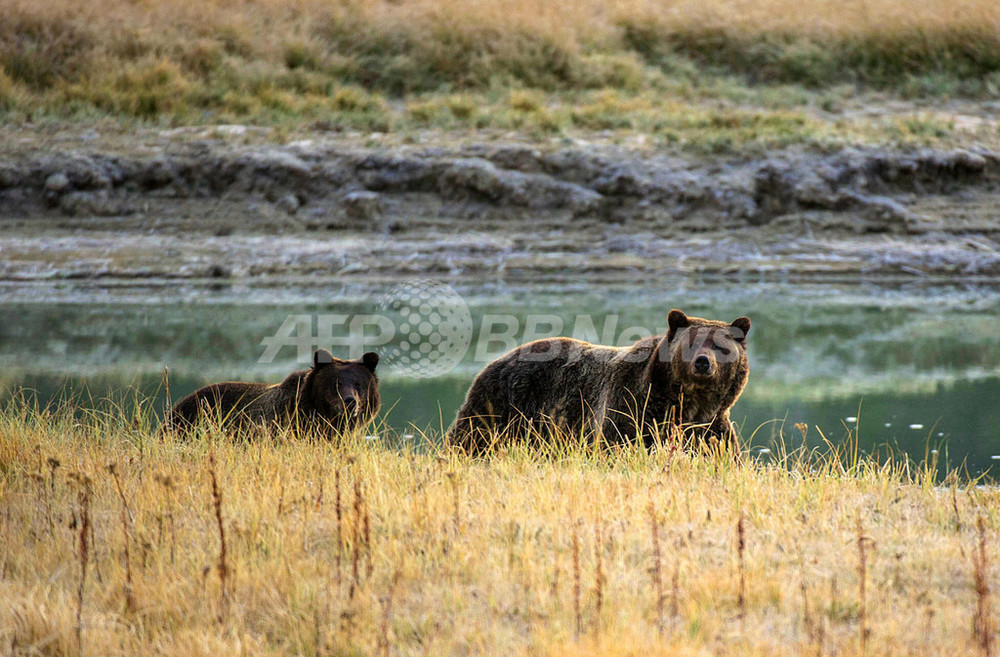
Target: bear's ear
(741, 327)
(676, 320)
(370, 360)
(321, 358)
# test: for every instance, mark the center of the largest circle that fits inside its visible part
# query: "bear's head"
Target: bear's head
(344, 392)
(707, 354)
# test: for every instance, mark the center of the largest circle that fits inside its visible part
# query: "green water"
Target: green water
(919, 367)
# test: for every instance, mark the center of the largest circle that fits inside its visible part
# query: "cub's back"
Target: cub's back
(220, 401)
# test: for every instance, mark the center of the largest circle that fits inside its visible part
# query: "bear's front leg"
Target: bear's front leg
(722, 429)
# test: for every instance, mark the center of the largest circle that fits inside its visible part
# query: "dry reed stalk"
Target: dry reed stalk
(554, 589)
(577, 614)
(319, 494)
(383, 638)
(512, 531)
(863, 631)
(675, 581)
(453, 478)
(126, 519)
(355, 539)
(366, 525)
(166, 388)
(813, 625)
(803, 459)
(928, 621)
(599, 577)
(43, 494)
(84, 540)
(807, 620)
(222, 567)
(982, 633)
(657, 571)
(53, 464)
(5, 531)
(340, 517)
(526, 586)
(317, 633)
(954, 506)
(741, 544)
(168, 486)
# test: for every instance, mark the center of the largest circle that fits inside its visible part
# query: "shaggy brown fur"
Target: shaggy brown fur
(691, 376)
(333, 394)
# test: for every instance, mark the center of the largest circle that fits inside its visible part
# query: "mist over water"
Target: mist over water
(911, 368)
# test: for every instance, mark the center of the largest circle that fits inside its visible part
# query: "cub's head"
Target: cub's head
(708, 354)
(345, 392)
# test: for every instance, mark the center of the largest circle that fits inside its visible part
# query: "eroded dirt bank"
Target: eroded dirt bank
(218, 204)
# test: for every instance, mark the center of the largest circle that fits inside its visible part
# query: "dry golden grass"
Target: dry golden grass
(219, 60)
(356, 548)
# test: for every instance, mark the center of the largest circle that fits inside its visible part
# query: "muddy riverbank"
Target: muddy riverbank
(225, 203)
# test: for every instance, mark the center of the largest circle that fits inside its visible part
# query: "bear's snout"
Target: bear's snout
(351, 404)
(702, 364)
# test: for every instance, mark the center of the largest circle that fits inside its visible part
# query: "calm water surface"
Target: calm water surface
(914, 368)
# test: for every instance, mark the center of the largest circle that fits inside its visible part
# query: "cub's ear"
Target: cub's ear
(741, 327)
(370, 360)
(321, 358)
(676, 320)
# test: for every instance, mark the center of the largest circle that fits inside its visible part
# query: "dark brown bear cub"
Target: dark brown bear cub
(691, 376)
(332, 395)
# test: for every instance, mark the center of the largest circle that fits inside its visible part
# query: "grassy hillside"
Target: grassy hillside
(136, 545)
(550, 65)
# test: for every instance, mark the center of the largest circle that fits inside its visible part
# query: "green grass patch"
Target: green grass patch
(549, 69)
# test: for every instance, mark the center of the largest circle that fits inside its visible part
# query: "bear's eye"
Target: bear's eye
(722, 350)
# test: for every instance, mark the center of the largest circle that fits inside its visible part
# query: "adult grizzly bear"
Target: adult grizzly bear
(333, 394)
(692, 376)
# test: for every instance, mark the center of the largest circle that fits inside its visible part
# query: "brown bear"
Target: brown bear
(690, 376)
(334, 394)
